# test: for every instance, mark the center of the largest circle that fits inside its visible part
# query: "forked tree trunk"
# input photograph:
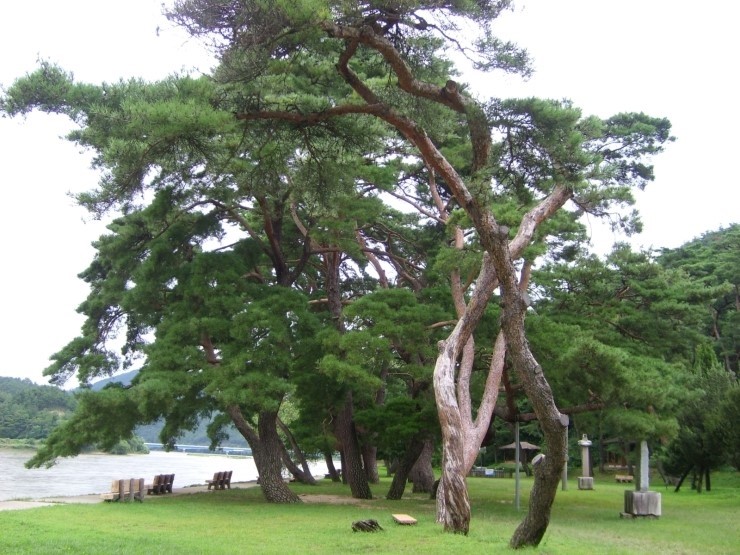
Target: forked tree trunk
(266, 450)
(422, 473)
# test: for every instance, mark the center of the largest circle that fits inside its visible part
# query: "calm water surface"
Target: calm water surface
(87, 474)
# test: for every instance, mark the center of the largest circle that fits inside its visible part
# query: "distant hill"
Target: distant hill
(124, 379)
(31, 411)
(150, 432)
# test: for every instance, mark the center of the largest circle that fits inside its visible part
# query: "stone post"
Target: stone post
(585, 481)
(643, 502)
(644, 466)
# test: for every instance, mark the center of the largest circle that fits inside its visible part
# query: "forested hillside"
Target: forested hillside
(31, 411)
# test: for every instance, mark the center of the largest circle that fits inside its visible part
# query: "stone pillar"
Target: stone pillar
(644, 466)
(585, 481)
(643, 502)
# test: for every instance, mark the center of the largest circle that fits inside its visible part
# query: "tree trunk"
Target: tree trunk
(343, 462)
(553, 424)
(422, 473)
(398, 485)
(352, 470)
(266, 450)
(333, 473)
(370, 461)
(602, 453)
(302, 475)
(453, 504)
(680, 481)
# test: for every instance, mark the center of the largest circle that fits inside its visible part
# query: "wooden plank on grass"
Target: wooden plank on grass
(404, 519)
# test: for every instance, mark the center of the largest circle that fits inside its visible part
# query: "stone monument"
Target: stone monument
(585, 481)
(642, 502)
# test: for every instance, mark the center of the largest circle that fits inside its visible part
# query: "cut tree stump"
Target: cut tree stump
(404, 519)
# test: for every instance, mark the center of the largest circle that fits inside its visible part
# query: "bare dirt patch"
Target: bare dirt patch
(333, 499)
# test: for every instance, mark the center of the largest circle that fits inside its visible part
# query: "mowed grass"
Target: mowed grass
(240, 521)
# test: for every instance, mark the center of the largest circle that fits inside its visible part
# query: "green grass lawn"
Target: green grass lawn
(240, 521)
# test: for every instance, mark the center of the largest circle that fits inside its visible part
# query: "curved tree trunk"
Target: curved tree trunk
(398, 485)
(422, 473)
(302, 474)
(266, 450)
(552, 422)
(333, 473)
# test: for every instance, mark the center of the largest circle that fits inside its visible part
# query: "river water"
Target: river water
(87, 474)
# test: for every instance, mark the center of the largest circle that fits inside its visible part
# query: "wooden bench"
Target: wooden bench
(623, 478)
(162, 483)
(157, 485)
(126, 490)
(217, 481)
(220, 480)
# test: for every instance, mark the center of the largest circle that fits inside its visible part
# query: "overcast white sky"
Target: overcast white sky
(670, 58)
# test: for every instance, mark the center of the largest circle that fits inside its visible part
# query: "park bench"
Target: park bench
(162, 483)
(623, 478)
(220, 480)
(217, 481)
(157, 485)
(125, 490)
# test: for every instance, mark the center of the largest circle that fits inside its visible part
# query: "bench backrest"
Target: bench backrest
(168, 480)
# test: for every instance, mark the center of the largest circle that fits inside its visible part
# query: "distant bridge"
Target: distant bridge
(184, 448)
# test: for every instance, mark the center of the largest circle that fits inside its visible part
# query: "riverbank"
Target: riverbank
(20, 504)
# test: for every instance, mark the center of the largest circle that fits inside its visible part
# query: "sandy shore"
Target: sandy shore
(95, 498)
